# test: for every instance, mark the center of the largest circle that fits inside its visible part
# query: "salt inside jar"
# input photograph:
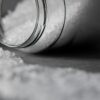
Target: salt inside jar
(36, 25)
(18, 20)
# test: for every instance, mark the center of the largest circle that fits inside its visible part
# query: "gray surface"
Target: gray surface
(92, 65)
(85, 60)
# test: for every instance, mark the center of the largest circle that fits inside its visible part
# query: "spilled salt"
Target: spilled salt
(20, 81)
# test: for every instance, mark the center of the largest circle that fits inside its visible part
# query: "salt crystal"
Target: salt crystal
(18, 25)
(27, 82)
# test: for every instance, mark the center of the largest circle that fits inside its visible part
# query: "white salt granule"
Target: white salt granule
(20, 81)
(18, 25)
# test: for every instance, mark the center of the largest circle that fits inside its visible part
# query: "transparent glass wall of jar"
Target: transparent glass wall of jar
(35, 25)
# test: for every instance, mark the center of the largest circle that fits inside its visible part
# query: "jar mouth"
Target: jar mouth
(19, 22)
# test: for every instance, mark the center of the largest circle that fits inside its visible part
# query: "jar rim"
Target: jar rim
(39, 24)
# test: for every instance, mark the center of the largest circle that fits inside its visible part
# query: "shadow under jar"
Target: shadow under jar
(35, 25)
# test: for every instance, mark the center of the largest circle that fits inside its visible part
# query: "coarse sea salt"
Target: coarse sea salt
(20, 81)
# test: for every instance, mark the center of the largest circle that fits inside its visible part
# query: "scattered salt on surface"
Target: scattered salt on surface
(20, 81)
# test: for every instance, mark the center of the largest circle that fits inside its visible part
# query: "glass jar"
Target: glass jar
(35, 25)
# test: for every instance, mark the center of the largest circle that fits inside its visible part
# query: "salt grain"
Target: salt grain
(20, 81)
(18, 24)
